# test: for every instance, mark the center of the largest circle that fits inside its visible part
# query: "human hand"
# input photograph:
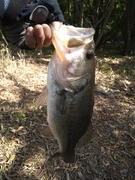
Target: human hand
(40, 36)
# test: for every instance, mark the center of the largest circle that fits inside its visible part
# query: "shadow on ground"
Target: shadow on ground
(25, 154)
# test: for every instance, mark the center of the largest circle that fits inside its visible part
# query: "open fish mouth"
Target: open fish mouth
(68, 63)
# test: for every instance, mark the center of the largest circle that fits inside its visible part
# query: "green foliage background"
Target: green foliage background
(113, 20)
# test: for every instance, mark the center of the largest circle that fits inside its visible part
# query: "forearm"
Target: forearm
(15, 32)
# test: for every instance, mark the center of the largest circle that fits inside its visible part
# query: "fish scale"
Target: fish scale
(70, 97)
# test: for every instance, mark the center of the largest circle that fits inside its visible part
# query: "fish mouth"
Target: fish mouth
(68, 37)
(70, 43)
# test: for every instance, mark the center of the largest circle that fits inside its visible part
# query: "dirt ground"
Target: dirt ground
(25, 153)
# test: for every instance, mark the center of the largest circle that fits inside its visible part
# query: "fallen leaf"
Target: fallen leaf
(12, 157)
(20, 128)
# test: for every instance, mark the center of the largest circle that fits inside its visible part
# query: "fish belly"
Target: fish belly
(69, 114)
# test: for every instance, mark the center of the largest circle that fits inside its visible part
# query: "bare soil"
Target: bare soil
(25, 153)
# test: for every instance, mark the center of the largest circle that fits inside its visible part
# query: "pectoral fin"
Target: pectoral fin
(85, 139)
(42, 99)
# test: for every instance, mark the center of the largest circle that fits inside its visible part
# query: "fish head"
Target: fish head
(80, 59)
(74, 55)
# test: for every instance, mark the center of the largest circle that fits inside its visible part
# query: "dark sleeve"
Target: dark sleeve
(56, 9)
(14, 31)
(1, 9)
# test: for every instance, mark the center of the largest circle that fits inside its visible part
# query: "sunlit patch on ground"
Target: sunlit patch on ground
(25, 153)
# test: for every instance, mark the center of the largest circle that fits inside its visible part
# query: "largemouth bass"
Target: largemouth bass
(70, 89)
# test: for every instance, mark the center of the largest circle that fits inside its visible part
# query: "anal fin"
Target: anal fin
(85, 139)
(46, 132)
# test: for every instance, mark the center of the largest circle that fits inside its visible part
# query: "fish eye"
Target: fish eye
(89, 54)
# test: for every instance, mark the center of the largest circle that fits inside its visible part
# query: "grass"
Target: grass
(25, 153)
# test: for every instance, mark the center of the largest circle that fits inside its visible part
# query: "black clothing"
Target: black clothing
(18, 15)
(12, 11)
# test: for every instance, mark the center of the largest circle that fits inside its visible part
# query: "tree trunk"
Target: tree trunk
(105, 17)
(130, 21)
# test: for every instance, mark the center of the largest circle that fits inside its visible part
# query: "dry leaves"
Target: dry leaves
(25, 153)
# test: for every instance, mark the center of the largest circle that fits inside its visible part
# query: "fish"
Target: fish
(69, 94)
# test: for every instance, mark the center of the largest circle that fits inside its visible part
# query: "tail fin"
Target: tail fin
(68, 158)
